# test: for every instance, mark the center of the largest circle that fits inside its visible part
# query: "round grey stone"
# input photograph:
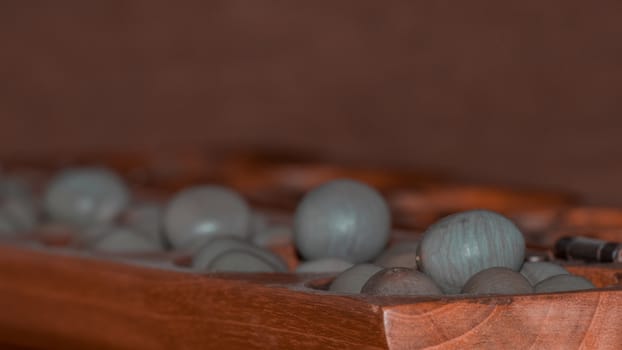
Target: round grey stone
(85, 196)
(124, 240)
(402, 254)
(219, 245)
(563, 283)
(240, 261)
(535, 272)
(198, 213)
(353, 279)
(461, 245)
(497, 280)
(400, 281)
(342, 219)
(325, 265)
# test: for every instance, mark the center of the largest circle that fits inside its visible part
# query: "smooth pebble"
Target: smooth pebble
(85, 196)
(461, 245)
(240, 261)
(402, 254)
(124, 240)
(218, 245)
(354, 278)
(400, 281)
(198, 213)
(497, 280)
(563, 283)
(342, 219)
(536, 272)
(325, 265)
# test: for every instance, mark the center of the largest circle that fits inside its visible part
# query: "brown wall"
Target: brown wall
(518, 92)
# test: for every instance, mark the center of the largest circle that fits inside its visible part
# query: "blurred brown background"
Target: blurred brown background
(514, 92)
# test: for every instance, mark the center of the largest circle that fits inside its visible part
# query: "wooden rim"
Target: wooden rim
(532, 209)
(592, 218)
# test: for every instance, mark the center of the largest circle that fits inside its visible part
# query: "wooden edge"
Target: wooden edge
(570, 320)
(62, 301)
(587, 217)
(602, 275)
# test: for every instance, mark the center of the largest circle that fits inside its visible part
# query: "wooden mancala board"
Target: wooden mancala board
(57, 296)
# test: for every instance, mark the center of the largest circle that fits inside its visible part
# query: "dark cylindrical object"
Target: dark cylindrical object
(588, 249)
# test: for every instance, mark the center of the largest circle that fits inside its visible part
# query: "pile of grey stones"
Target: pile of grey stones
(341, 228)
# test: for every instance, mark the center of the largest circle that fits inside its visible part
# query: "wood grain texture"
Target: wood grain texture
(65, 302)
(543, 321)
(53, 299)
(589, 320)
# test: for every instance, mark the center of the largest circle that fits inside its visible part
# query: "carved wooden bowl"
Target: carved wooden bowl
(54, 294)
(73, 298)
(58, 298)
